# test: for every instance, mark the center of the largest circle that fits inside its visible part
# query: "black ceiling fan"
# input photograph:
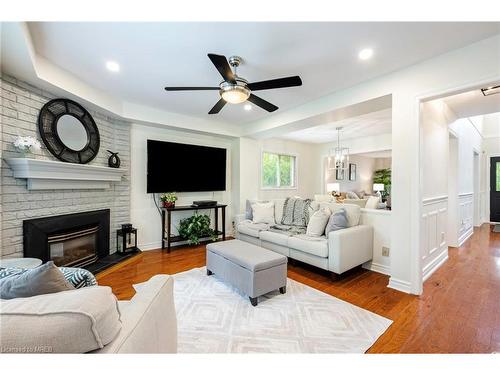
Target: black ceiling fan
(235, 89)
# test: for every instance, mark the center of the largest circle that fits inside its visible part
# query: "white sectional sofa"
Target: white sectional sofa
(338, 252)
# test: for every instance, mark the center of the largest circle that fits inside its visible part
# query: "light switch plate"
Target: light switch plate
(385, 251)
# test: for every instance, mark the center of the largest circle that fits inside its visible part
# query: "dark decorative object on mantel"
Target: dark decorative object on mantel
(69, 131)
(113, 160)
(126, 239)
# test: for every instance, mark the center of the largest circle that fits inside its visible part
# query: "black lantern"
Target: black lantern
(126, 239)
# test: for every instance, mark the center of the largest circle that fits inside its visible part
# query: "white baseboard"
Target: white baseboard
(377, 267)
(434, 265)
(149, 246)
(401, 285)
(465, 236)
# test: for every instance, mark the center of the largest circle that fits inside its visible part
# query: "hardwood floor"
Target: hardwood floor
(458, 312)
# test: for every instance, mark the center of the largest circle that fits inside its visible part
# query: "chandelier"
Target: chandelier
(338, 158)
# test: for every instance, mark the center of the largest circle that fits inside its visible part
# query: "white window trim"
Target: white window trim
(295, 170)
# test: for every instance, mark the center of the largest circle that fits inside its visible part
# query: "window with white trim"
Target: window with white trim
(278, 171)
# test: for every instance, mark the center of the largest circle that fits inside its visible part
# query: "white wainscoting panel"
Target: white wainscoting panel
(466, 217)
(434, 249)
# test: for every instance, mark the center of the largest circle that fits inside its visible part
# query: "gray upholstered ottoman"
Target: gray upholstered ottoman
(250, 268)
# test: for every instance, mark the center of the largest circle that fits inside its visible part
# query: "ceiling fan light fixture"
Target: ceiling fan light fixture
(234, 93)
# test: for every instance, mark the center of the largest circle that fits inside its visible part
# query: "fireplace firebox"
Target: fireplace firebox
(73, 240)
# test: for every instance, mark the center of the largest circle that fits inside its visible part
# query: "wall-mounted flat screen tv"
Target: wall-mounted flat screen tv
(178, 167)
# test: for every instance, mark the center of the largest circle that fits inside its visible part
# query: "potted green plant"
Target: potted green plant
(168, 199)
(195, 227)
(383, 176)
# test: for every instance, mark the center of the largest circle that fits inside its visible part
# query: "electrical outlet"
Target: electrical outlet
(385, 251)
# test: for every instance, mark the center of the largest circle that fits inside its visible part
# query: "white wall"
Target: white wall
(144, 214)
(250, 169)
(365, 167)
(382, 142)
(435, 118)
(381, 221)
(469, 141)
(474, 65)
(491, 148)
(442, 212)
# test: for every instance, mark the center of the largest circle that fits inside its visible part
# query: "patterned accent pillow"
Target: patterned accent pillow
(78, 277)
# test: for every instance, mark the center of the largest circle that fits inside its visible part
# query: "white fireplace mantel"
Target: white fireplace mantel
(49, 174)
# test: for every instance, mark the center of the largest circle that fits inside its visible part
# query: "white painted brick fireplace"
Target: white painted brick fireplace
(20, 104)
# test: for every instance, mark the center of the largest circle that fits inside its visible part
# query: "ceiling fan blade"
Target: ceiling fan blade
(222, 66)
(275, 83)
(262, 103)
(191, 88)
(217, 107)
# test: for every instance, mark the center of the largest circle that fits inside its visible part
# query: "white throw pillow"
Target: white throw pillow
(318, 221)
(372, 203)
(263, 213)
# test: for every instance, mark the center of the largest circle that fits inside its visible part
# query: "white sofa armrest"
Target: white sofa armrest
(350, 247)
(149, 323)
(238, 219)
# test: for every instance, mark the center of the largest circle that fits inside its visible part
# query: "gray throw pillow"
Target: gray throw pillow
(338, 220)
(44, 279)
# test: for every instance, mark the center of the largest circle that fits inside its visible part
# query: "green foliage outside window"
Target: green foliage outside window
(278, 170)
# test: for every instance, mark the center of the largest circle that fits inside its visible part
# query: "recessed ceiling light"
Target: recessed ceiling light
(365, 54)
(113, 66)
(247, 107)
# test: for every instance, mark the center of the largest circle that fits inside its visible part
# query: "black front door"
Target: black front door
(495, 189)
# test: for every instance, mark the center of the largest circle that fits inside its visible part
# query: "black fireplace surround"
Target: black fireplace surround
(36, 232)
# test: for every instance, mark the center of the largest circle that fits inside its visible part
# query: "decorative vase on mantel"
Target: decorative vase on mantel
(26, 145)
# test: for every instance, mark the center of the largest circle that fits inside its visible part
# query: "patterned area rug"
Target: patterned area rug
(214, 318)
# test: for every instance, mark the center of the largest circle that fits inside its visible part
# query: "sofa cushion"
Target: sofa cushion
(353, 211)
(43, 279)
(274, 237)
(323, 198)
(358, 202)
(317, 246)
(74, 321)
(251, 229)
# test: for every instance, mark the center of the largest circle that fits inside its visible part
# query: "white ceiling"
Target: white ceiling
(153, 55)
(490, 125)
(373, 123)
(473, 103)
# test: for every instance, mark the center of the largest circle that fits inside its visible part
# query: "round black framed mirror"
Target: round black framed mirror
(69, 131)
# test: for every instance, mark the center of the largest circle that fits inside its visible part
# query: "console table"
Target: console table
(166, 221)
